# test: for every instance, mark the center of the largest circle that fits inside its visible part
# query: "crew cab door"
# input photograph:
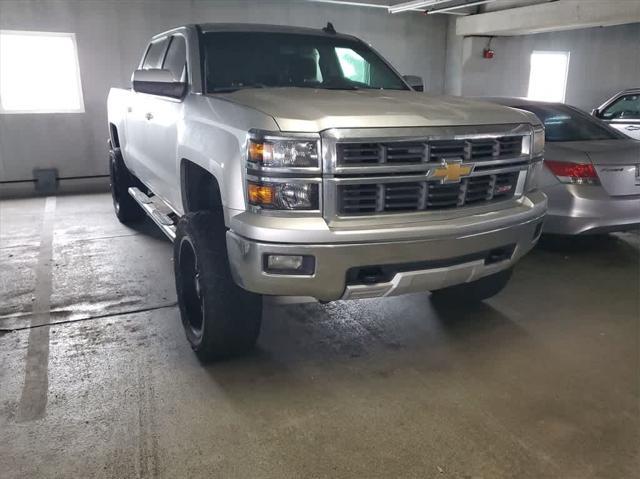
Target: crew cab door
(624, 114)
(139, 152)
(162, 117)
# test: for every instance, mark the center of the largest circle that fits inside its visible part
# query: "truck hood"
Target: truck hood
(311, 110)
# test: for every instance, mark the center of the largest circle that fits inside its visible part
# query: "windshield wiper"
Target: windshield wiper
(343, 87)
(229, 89)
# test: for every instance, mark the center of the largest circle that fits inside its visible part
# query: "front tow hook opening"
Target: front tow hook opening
(499, 254)
(371, 275)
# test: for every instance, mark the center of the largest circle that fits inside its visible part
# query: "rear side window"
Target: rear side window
(155, 54)
(176, 59)
(626, 107)
(563, 123)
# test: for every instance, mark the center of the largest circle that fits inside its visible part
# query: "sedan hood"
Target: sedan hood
(598, 152)
(311, 110)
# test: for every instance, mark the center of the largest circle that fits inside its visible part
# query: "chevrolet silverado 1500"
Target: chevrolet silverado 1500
(297, 162)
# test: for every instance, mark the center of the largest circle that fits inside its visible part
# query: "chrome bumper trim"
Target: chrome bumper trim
(425, 280)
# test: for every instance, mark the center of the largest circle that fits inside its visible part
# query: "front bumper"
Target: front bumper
(440, 256)
(587, 209)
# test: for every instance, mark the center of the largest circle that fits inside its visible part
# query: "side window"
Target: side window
(176, 59)
(354, 67)
(626, 107)
(155, 54)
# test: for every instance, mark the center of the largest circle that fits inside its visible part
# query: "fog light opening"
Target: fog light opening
(289, 264)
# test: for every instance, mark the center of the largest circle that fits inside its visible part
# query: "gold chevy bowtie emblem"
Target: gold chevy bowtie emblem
(450, 172)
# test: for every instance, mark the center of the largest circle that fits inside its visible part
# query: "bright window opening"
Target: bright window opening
(354, 67)
(39, 73)
(548, 77)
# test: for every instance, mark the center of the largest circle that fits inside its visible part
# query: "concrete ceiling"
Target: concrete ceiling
(388, 4)
(515, 17)
(550, 17)
(477, 7)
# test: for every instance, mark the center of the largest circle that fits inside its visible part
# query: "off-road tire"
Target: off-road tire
(126, 208)
(220, 319)
(474, 292)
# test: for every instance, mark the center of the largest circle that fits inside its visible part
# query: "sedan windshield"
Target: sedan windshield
(564, 123)
(236, 60)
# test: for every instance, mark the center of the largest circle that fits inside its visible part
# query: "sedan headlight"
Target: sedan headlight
(538, 141)
(283, 153)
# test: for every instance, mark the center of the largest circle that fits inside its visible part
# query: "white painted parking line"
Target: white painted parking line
(33, 401)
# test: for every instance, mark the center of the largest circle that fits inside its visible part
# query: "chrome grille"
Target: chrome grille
(411, 196)
(387, 171)
(416, 152)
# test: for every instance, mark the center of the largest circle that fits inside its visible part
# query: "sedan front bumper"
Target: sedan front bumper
(443, 257)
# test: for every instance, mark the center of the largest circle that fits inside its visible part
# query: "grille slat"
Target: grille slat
(359, 153)
(405, 153)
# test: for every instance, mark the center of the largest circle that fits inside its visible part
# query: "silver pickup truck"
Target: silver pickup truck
(297, 162)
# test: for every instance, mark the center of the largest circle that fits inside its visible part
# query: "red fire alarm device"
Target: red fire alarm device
(488, 53)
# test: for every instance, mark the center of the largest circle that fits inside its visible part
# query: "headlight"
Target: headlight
(283, 172)
(284, 195)
(283, 153)
(538, 141)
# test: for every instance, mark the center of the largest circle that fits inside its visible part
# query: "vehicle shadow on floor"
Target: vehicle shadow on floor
(362, 337)
(147, 227)
(622, 242)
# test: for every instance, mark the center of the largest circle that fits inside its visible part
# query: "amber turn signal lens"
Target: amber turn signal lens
(261, 194)
(256, 151)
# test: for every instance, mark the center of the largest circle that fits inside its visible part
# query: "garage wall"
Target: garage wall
(111, 35)
(603, 61)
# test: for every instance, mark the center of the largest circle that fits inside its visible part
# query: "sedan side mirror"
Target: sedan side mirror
(414, 82)
(158, 82)
(596, 112)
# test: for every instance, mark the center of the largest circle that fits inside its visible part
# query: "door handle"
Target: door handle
(632, 128)
(129, 109)
(149, 116)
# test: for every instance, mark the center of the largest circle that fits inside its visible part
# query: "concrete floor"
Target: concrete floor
(541, 381)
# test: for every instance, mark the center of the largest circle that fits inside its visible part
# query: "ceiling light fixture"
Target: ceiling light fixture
(414, 5)
(456, 7)
(353, 4)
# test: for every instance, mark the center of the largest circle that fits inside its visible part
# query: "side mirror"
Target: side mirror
(596, 112)
(158, 82)
(414, 82)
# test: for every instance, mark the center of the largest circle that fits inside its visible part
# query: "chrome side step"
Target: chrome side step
(162, 220)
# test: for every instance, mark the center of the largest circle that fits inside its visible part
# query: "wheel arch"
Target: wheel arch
(200, 189)
(114, 136)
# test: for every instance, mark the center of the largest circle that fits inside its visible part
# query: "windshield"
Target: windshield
(236, 60)
(564, 123)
